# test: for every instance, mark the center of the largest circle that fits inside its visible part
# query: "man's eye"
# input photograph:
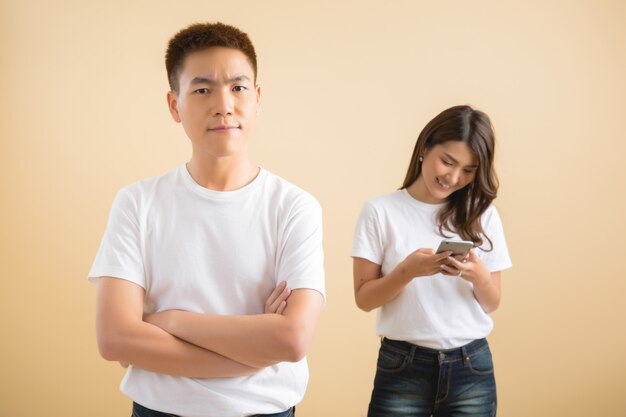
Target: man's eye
(202, 91)
(239, 88)
(448, 163)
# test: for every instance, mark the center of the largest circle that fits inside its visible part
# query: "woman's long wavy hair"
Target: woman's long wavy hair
(463, 209)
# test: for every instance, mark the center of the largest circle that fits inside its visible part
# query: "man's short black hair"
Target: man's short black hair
(200, 36)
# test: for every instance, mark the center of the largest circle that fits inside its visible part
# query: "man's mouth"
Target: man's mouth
(223, 128)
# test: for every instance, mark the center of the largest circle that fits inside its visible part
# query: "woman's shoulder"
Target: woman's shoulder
(381, 201)
(491, 214)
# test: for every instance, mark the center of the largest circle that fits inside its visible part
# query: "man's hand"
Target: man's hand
(275, 304)
(277, 301)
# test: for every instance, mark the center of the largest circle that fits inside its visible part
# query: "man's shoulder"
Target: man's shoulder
(150, 184)
(290, 194)
(144, 192)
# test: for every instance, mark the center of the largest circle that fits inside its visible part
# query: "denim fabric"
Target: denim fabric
(413, 381)
(141, 411)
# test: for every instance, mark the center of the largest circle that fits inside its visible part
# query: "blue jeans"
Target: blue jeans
(413, 381)
(141, 411)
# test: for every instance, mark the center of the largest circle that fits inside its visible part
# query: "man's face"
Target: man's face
(217, 102)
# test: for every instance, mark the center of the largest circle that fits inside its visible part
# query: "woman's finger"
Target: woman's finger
(456, 263)
(448, 270)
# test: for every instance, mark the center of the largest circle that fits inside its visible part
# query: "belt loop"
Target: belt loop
(464, 356)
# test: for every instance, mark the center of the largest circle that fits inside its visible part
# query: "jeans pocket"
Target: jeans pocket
(390, 360)
(481, 362)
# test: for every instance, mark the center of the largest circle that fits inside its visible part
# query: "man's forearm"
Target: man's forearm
(255, 340)
(124, 337)
(148, 347)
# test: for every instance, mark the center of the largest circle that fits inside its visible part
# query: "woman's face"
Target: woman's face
(446, 168)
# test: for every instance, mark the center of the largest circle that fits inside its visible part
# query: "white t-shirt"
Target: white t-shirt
(438, 311)
(214, 252)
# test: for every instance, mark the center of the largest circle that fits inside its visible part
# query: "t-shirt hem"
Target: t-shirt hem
(436, 343)
(366, 255)
(306, 285)
(501, 266)
(133, 277)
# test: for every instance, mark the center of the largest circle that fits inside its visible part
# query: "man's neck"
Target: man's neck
(222, 174)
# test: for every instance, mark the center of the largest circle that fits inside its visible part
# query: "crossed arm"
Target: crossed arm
(197, 345)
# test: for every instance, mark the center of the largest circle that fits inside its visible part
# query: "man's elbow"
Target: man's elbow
(296, 345)
(111, 344)
(295, 351)
(109, 347)
(362, 305)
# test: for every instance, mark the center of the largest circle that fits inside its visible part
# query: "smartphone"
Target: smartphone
(457, 247)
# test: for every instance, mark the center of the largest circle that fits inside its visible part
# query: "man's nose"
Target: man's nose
(223, 103)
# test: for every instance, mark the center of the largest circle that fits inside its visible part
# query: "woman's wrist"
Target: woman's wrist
(402, 272)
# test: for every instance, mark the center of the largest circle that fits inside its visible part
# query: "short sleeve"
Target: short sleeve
(300, 254)
(498, 258)
(120, 253)
(367, 242)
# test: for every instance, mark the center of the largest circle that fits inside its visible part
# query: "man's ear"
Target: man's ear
(172, 104)
(258, 99)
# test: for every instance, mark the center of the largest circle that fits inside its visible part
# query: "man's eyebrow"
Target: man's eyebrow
(210, 81)
(202, 80)
(456, 162)
(239, 78)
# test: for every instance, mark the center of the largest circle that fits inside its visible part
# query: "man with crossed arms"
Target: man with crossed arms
(210, 277)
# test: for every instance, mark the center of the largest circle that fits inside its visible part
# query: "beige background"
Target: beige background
(346, 88)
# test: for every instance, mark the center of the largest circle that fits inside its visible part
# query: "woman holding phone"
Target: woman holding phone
(434, 307)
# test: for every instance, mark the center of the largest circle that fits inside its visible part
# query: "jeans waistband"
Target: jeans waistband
(427, 354)
(141, 411)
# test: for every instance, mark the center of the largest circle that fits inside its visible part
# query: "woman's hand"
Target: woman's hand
(424, 262)
(471, 269)
(486, 284)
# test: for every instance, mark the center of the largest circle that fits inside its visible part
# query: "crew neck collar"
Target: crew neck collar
(220, 195)
(420, 204)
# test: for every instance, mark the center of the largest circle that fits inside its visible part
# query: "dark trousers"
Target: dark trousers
(414, 381)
